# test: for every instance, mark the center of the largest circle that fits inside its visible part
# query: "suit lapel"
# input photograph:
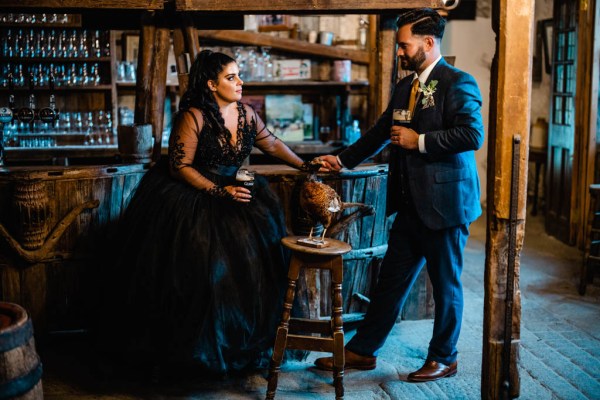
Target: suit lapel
(434, 75)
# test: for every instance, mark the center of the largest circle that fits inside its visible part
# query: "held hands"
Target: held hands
(404, 137)
(329, 163)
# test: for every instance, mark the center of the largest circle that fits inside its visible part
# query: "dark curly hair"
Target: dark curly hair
(206, 67)
(426, 21)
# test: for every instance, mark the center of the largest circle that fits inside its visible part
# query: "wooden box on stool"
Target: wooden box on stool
(288, 336)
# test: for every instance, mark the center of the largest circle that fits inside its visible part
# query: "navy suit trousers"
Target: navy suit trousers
(410, 246)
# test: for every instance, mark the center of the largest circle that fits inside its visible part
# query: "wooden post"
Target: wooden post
(509, 116)
(144, 77)
(181, 60)
(373, 109)
(586, 113)
(159, 87)
(386, 68)
(192, 44)
(185, 40)
(152, 76)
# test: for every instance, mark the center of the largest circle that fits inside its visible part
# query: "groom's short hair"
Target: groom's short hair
(426, 21)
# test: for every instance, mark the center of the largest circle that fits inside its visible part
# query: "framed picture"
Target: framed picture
(131, 45)
(285, 116)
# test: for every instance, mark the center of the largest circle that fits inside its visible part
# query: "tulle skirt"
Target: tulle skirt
(201, 278)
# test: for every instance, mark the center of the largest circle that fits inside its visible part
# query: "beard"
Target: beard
(413, 63)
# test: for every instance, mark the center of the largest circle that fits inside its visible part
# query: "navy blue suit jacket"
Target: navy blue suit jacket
(443, 183)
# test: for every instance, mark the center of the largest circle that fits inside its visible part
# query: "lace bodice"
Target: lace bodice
(214, 148)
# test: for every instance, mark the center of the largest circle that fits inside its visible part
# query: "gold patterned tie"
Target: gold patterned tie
(413, 95)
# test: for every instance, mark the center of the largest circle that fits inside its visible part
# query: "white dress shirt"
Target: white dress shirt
(423, 78)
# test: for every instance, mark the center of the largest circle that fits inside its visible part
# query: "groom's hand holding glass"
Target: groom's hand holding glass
(401, 135)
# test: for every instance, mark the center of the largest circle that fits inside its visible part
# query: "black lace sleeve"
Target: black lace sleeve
(183, 145)
(264, 137)
(270, 144)
(219, 191)
(183, 140)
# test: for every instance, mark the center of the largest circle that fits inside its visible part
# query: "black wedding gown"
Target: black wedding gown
(203, 277)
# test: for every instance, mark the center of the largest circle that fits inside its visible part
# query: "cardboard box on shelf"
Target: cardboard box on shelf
(294, 69)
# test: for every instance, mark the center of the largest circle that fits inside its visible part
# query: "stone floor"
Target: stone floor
(559, 353)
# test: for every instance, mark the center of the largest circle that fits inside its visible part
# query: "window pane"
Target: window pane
(558, 79)
(572, 48)
(558, 112)
(568, 111)
(560, 46)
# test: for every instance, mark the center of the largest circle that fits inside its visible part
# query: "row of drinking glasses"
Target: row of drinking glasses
(85, 122)
(67, 123)
(68, 74)
(12, 18)
(35, 141)
(16, 135)
(254, 66)
(54, 43)
(38, 134)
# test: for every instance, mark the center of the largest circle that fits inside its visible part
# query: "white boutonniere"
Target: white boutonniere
(428, 91)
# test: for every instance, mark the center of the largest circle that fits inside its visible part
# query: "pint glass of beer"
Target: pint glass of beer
(245, 178)
(401, 116)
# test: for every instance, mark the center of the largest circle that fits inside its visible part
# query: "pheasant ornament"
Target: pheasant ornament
(321, 203)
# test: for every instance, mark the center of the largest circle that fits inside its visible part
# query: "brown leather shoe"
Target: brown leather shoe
(351, 361)
(432, 371)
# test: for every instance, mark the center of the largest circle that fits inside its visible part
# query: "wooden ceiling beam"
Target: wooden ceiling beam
(85, 4)
(304, 6)
(231, 6)
(292, 45)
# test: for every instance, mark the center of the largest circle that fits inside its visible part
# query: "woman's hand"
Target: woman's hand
(239, 193)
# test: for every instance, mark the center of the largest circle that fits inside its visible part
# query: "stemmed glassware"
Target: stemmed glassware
(88, 129)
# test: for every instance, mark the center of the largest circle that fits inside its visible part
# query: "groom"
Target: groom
(434, 188)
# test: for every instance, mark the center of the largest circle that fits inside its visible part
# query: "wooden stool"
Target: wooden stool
(591, 256)
(306, 257)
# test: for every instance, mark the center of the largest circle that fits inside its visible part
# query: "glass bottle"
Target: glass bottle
(355, 135)
(363, 27)
(251, 66)
(267, 63)
(240, 59)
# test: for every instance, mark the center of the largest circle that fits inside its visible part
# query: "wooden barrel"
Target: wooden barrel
(20, 366)
(135, 142)
(368, 237)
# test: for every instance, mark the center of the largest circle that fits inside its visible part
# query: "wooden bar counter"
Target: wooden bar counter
(52, 220)
(49, 217)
